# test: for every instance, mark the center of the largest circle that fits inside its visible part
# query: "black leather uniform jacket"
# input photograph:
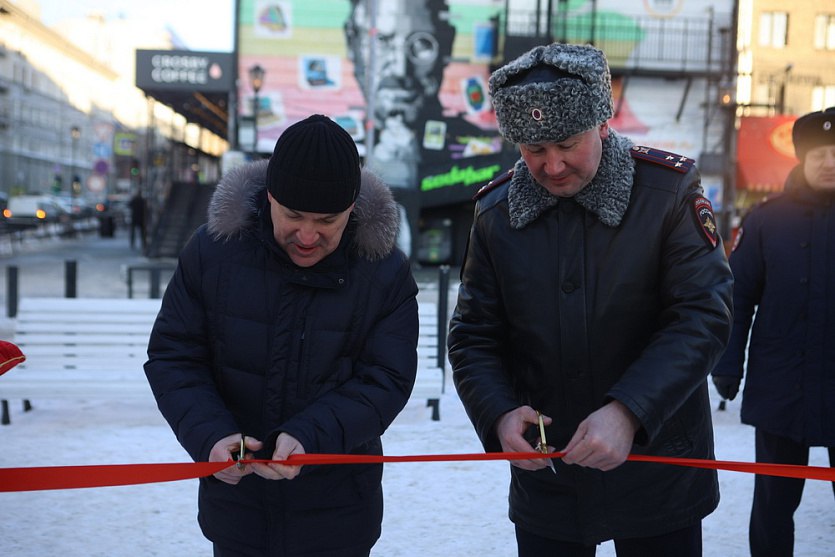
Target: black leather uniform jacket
(621, 292)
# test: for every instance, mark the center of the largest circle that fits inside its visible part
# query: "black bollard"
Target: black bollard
(443, 314)
(70, 279)
(11, 291)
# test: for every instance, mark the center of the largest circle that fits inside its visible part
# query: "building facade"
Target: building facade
(786, 69)
(72, 121)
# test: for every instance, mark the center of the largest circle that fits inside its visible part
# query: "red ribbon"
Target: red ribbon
(103, 475)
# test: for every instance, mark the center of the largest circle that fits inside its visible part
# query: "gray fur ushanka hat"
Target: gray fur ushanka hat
(574, 96)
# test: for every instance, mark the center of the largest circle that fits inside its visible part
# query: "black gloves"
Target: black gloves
(726, 386)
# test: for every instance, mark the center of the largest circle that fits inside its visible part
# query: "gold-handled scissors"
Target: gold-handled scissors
(542, 446)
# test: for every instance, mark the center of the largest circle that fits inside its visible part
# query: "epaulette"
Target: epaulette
(678, 163)
(493, 184)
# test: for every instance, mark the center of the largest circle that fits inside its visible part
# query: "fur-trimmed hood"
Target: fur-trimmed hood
(607, 195)
(241, 192)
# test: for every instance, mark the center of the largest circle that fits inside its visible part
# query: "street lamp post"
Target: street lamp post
(75, 185)
(256, 81)
(781, 103)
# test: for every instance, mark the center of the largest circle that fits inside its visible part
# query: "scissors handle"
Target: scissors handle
(542, 446)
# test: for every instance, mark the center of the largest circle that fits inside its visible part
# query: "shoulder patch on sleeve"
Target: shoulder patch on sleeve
(706, 221)
(493, 184)
(679, 163)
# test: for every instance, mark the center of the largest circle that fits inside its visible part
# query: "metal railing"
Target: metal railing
(691, 45)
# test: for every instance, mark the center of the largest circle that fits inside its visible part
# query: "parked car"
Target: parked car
(77, 207)
(29, 211)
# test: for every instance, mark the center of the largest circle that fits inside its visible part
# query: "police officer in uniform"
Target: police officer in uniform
(595, 294)
(784, 266)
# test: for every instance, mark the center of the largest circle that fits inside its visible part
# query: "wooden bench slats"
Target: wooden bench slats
(29, 320)
(85, 364)
(38, 351)
(64, 339)
(74, 305)
(80, 389)
(83, 329)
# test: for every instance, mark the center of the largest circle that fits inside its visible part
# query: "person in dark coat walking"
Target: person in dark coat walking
(291, 320)
(783, 262)
(595, 291)
(138, 216)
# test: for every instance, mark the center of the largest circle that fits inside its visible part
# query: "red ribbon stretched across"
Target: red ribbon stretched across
(104, 475)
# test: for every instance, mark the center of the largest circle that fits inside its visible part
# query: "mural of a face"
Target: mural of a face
(414, 45)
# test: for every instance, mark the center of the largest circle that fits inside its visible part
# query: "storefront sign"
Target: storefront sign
(183, 70)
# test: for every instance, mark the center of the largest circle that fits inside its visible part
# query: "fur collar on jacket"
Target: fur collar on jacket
(607, 195)
(239, 195)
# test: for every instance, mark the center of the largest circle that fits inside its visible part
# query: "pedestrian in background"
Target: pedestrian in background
(291, 320)
(138, 212)
(783, 262)
(596, 291)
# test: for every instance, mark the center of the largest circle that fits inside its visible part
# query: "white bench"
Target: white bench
(80, 348)
(93, 347)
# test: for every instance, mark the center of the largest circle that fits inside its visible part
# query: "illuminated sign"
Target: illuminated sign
(460, 176)
(184, 70)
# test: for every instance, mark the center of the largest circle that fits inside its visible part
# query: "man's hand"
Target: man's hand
(726, 386)
(604, 439)
(285, 445)
(223, 451)
(511, 428)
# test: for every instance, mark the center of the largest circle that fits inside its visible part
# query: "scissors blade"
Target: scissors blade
(242, 453)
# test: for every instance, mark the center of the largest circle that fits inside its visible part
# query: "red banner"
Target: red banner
(765, 152)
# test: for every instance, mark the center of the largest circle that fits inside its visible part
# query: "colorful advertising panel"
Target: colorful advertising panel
(424, 80)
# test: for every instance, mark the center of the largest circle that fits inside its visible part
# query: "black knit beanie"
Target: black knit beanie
(315, 167)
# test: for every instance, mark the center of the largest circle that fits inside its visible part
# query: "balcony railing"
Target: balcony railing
(681, 45)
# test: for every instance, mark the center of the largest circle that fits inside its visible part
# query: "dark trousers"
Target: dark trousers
(137, 230)
(771, 530)
(686, 542)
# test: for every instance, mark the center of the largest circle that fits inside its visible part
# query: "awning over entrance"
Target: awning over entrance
(765, 153)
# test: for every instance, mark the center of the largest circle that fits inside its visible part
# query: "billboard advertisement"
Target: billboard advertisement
(429, 124)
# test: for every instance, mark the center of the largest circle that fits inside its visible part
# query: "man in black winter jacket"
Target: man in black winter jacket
(595, 292)
(290, 326)
(784, 269)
